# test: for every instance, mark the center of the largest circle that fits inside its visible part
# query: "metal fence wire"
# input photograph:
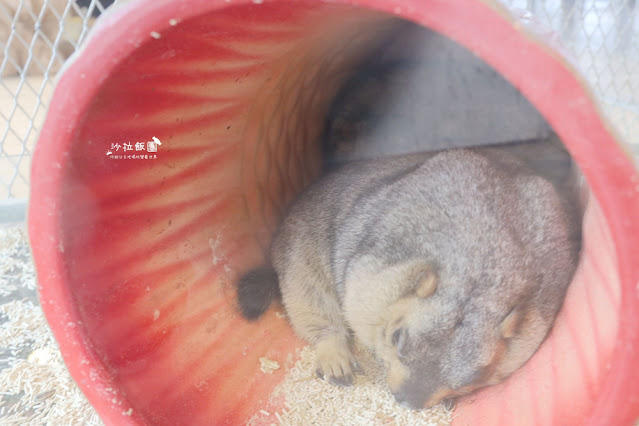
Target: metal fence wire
(37, 36)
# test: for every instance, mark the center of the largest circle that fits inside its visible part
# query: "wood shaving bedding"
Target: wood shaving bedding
(268, 365)
(35, 386)
(312, 401)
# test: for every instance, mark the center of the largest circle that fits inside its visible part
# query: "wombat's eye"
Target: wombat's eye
(399, 338)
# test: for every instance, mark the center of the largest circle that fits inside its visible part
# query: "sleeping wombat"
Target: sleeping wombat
(449, 266)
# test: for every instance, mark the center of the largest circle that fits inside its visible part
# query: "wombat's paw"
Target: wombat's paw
(335, 362)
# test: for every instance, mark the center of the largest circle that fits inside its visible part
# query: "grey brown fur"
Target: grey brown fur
(449, 266)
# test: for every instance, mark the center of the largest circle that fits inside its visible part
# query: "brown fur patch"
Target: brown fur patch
(492, 368)
(426, 284)
(510, 324)
(397, 375)
(438, 396)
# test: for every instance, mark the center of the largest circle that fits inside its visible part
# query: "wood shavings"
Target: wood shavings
(312, 401)
(35, 386)
(17, 274)
(268, 365)
(42, 356)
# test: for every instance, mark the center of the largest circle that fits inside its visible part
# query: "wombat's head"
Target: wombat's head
(462, 278)
(437, 345)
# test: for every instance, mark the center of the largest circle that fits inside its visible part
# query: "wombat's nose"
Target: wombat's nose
(407, 400)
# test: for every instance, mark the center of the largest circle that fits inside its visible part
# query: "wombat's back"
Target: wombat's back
(464, 208)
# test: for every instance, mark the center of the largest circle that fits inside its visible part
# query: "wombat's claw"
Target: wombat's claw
(449, 404)
(342, 379)
(343, 382)
(336, 370)
(335, 363)
(357, 369)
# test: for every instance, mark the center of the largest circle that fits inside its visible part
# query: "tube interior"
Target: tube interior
(239, 100)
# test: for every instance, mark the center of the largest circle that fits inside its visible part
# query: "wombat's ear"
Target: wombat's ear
(427, 281)
(509, 324)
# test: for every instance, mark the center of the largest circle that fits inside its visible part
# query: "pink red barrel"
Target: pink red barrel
(177, 137)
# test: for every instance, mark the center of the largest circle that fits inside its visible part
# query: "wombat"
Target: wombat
(450, 266)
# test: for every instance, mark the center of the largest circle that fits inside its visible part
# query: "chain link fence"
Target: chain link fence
(602, 40)
(37, 36)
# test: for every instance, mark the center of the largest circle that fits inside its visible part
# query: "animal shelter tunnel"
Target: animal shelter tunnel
(175, 141)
